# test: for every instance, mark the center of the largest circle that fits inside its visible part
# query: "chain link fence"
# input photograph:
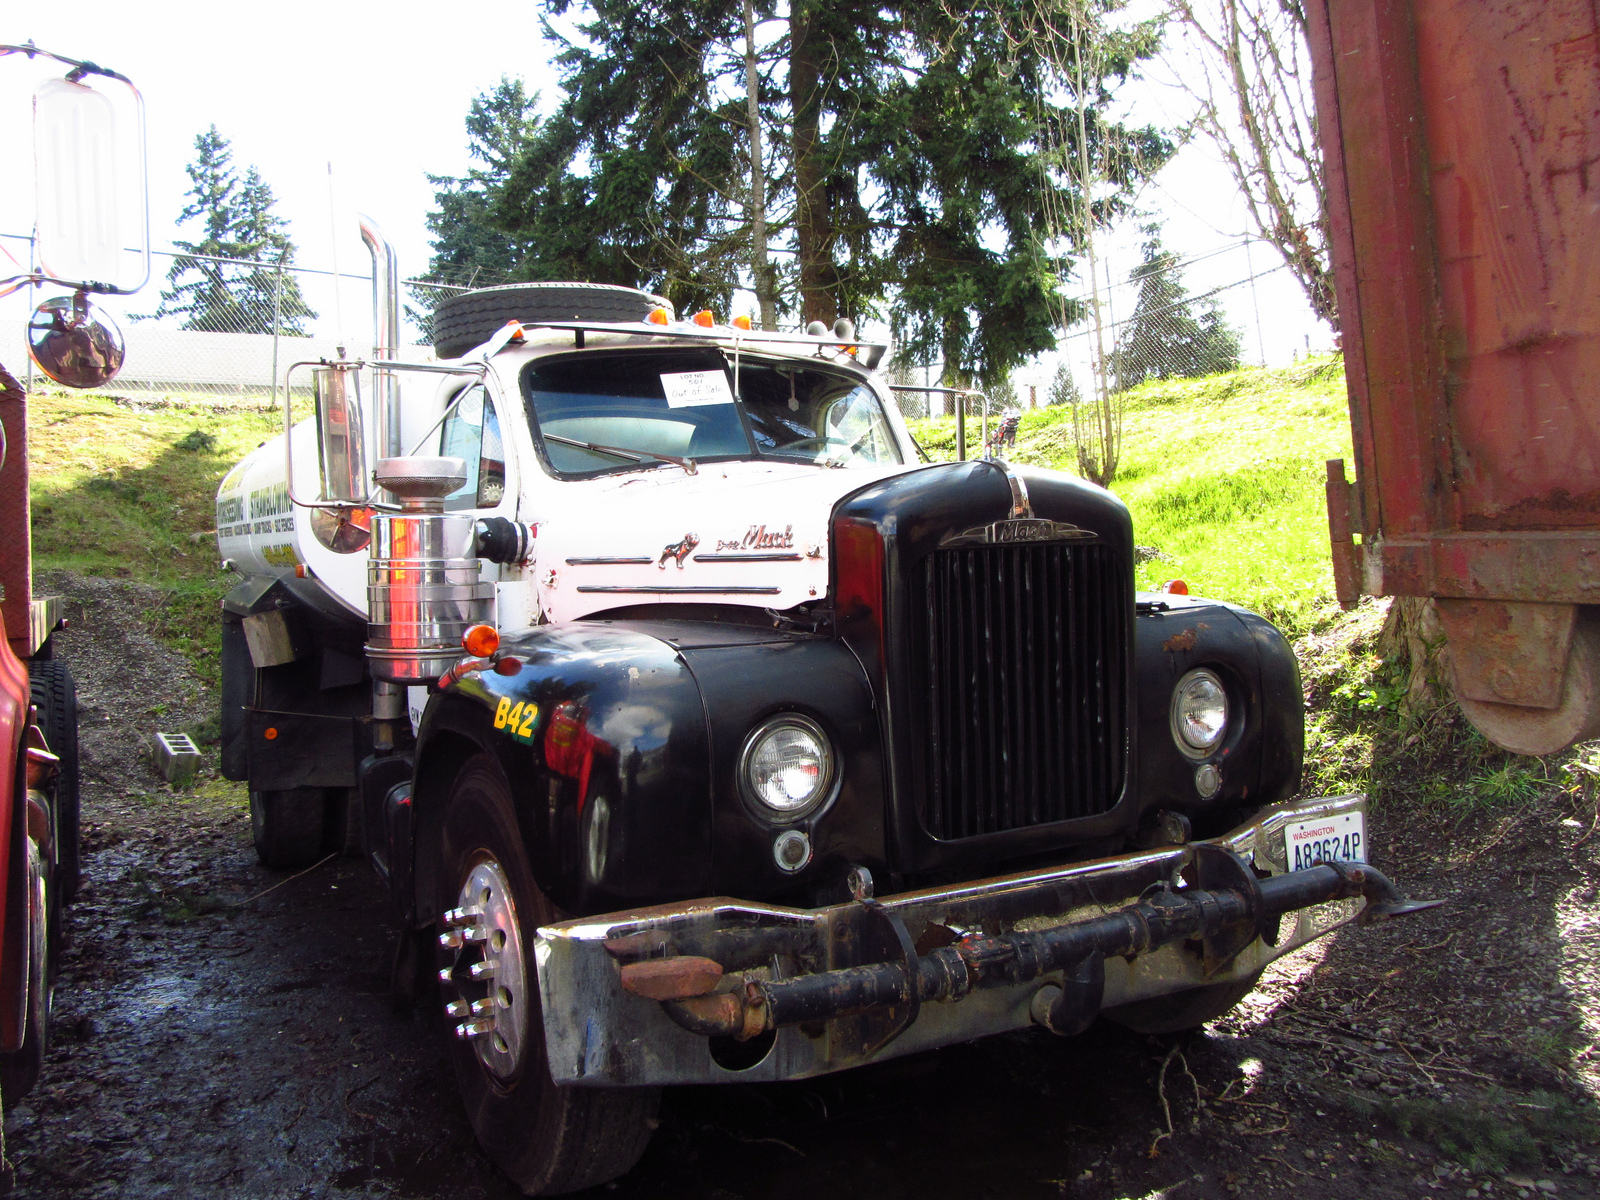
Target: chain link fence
(227, 329)
(1144, 321)
(224, 331)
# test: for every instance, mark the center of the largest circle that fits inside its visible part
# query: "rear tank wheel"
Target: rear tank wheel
(287, 827)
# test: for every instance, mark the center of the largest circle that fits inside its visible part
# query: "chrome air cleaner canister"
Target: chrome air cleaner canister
(423, 590)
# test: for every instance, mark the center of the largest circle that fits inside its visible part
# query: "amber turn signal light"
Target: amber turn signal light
(1175, 587)
(704, 319)
(658, 316)
(481, 641)
(741, 322)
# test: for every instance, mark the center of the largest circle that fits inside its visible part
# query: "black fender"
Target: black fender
(625, 776)
(602, 737)
(1260, 755)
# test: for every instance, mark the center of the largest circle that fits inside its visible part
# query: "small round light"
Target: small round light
(481, 641)
(1199, 713)
(1207, 780)
(1175, 587)
(787, 766)
(791, 850)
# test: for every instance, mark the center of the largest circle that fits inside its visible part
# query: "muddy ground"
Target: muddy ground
(222, 1030)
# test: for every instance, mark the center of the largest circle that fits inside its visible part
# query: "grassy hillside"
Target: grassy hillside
(128, 491)
(1224, 477)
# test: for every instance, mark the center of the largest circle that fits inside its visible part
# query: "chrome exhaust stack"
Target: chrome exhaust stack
(385, 332)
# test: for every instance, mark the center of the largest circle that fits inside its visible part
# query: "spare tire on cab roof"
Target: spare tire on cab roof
(466, 320)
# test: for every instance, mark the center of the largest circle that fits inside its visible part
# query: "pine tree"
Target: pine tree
(912, 157)
(237, 224)
(1169, 334)
(1063, 388)
(500, 124)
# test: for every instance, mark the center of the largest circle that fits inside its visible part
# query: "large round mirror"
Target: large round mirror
(74, 343)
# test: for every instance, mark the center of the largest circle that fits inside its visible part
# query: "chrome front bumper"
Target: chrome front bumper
(600, 1034)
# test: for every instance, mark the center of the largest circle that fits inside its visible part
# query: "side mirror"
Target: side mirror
(91, 200)
(75, 343)
(341, 441)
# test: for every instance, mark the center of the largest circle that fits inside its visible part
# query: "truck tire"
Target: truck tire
(287, 826)
(19, 1070)
(1182, 1011)
(56, 699)
(466, 320)
(548, 1139)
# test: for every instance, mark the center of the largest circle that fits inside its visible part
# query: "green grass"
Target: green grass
(129, 493)
(1223, 475)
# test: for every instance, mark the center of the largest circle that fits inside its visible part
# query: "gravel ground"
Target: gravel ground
(225, 1031)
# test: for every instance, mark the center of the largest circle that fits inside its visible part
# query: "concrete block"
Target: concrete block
(176, 757)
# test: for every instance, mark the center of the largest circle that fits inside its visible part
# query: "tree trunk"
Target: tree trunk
(1413, 639)
(760, 265)
(813, 239)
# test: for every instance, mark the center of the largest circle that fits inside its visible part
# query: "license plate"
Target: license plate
(1327, 839)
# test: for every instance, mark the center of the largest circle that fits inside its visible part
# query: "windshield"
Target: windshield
(617, 412)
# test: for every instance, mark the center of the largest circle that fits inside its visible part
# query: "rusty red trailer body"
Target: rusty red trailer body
(1462, 144)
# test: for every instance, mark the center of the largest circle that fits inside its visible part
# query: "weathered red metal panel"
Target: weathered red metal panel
(1511, 105)
(1463, 149)
(16, 540)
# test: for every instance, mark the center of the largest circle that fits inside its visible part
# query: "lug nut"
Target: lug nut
(448, 975)
(472, 1029)
(458, 917)
(458, 1008)
(452, 940)
(457, 938)
(484, 969)
(483, 1008)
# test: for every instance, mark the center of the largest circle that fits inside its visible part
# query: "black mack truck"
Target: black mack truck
(705, 734)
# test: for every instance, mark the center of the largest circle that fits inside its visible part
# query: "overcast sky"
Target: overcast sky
(381, 92)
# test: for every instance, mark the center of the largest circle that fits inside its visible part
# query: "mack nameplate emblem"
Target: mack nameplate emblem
(1020, 529)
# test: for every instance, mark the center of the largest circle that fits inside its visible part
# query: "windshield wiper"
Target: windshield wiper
(637, 456)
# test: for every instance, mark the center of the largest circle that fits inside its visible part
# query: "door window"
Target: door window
(472, 434)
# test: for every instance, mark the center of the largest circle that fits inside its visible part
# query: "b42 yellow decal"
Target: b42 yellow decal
(517, 719)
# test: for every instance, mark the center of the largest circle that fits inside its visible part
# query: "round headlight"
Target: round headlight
(787, 766)
(1199, 713)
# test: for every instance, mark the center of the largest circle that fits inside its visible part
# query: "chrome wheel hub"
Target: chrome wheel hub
(490, 974)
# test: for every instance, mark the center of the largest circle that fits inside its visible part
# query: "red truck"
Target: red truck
(1462, 150)
(84, 221)
(38, 775)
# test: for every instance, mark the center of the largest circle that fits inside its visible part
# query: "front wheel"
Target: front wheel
(19, 1070)
(548, 1139)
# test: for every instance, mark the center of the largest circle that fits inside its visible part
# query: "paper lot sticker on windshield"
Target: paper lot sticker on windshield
(690, 389)
(1328, 839)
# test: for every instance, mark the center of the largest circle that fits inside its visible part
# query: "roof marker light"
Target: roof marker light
(704, 319)
(741, 322)
(658, 316)
(1175, 587)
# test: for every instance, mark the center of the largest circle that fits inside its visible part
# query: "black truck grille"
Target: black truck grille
(1019, 681)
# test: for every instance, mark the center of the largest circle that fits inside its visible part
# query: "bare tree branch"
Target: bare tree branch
(1253, 85)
